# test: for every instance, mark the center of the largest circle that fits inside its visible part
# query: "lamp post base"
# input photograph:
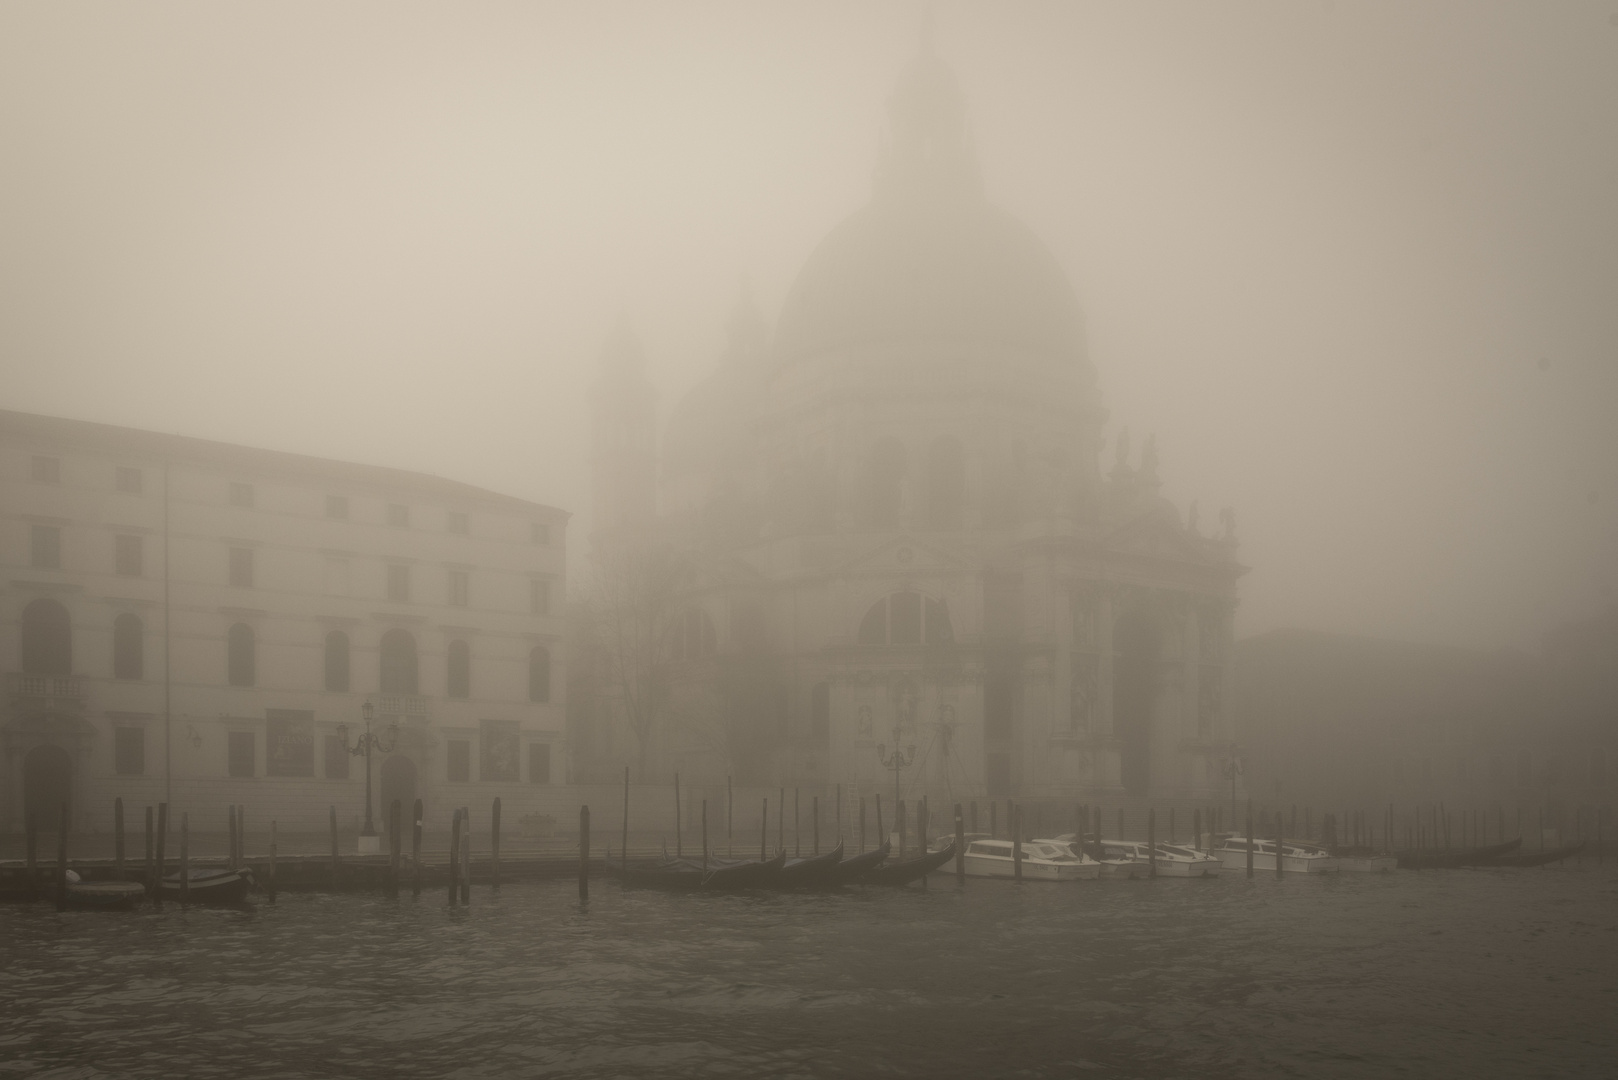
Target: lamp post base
(370, 845)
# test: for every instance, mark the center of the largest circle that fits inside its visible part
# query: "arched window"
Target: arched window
(336, 660)
(459, 682)
(906, 618)
(128, 647)
(242, 663)
(884, 481)
(399, 663)
(946, 483)
(539, 674)
(47, 638)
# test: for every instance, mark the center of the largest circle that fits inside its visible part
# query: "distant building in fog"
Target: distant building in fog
(1344, 722)
(298, 589)
(888, 523)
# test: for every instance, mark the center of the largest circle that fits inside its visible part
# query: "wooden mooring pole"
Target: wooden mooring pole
(730, 815)
(626, 817)
(899, 813)
(151, 863)
(839, 813)
(705, 837)
(31, 852)
(466, 855)
(185, 858)
(862, 824)
(494, 843)
(415, 849)
(1249, 837)
(814, 810)
(797, 827)
(960, 847)
(162, 844)
(395, 843)
(584, 855)
(1279, 858)
(1016, 843)
(1151, 842)
(764, 831)
(781, 820)
(230, 836)
(881, 834)
(454, 855)
(61, 861)
(922, 825)
(679, 852)
(274, 837)
(118, 837)
(994, 818)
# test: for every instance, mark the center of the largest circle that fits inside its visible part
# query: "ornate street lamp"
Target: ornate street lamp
(901, 759)
(366, 742)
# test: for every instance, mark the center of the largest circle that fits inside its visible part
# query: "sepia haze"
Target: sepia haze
(1355, 265)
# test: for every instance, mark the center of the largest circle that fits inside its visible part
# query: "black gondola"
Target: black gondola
(814, 872)
(103, 895)
(850, 870)
(903, 873)
(689, 875)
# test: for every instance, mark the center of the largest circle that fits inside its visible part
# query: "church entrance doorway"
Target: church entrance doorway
(1136, 646)
(47, 784)
(398, 782)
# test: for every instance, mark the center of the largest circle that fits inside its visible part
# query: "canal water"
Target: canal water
(1476, 973)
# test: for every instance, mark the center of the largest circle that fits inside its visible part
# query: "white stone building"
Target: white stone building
(204, 621)
(892, 526)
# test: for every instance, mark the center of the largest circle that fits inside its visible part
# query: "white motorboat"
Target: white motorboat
(1042, 860)
(1135, 859)
(1115, 860)
(1296, 858)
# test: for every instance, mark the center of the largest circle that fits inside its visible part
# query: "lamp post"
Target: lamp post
(366, 742)
(1233, 769)
(900, 759)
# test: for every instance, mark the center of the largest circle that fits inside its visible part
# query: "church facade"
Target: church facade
(884, 525)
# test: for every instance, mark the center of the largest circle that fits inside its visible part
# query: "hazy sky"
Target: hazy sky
(1356, 264)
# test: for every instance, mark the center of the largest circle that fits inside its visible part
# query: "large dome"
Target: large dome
(929, 260)
(963, 272)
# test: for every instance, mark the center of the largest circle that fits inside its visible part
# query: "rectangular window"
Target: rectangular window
(539, 763)
(499, 742)
(459, 756)
(128, 554)
(337, 507)
(241, 753)
(399, 515)
(455, 522)
(241, 567)
(241, 494)
(399, 583)
(129, 751)
(46, 552)
(130, 480)
(336, 758)
(47, 470)
(539, 532)
(459, 588)
(539, 596)
(289, 742)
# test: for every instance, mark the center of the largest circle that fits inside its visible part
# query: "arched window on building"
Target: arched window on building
(241, 659)
(539, 674)
(399, 671)
(906, 618)
(884, 483)
(946, 483)
(128, 647)
(47, 638)
(336, 660)
(459, 682)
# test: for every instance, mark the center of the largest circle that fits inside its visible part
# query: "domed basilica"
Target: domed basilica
(887, 524)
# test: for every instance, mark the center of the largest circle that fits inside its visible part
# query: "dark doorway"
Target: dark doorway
(398, 782)
(47, 784)
(1136, 648)
(47, 639)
